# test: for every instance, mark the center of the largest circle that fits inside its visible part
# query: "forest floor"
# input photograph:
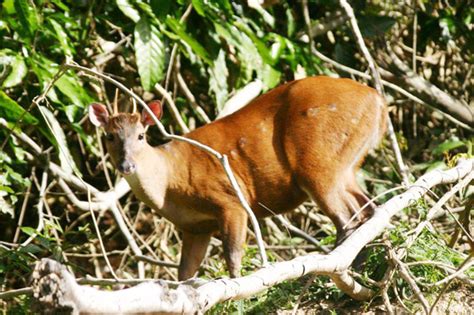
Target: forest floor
(456, 301)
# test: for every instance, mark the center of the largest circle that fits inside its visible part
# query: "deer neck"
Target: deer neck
(150, 181)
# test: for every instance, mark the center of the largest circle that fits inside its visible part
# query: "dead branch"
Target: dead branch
(426, 90)
(405, 173)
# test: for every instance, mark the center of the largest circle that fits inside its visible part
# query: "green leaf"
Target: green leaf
(6, 189)
(5, 206)
(200, 7)
(161, 8)
(291, 22)
(247, 52)
(30, 248)
(212, 10)
(62, 37)
(448, 145)
(448, 27)
(127, 8)
(259, 44)
(218, 80)
(270, 76)
(61, 5)
(11, 111)
(149, 53)
(3, 25)
(8, 7)
(267, 17)
(69, 84)
(28, 230)
(27, 16)
(15, 66)
(184, 36)
(65, 157)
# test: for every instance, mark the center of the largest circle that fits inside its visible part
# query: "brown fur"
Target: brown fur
(306, 138)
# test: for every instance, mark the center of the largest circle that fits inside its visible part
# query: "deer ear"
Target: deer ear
(156, 108)
(98, 114)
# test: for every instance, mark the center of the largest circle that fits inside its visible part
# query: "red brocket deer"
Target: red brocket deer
(306, 138)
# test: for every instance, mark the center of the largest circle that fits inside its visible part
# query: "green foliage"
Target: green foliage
(149, 52)
(220, 47)
(11, 111)
(13, 68)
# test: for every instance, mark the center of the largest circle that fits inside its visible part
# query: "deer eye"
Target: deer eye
(141, 136)
(109, 137)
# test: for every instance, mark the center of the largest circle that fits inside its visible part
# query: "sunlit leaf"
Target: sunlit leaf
(5, 206)
(62, 38)
(27, 16)
(149, 53)
(69, 84)
(218, 80)
(184, 36)
(15, 66)
(447, 146)
(28, 230)
(65, 157)
(247, 52)
(12, 111)
(270, 76)
(127, 8)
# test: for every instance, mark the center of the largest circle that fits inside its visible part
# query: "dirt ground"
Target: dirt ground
(459, 301)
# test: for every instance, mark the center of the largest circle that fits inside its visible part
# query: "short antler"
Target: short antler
(117, 91)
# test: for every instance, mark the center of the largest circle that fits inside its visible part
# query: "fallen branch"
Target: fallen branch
(428, 91)
(55, 287)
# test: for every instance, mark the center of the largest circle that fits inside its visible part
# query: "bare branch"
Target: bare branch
(379, 87)
(430, 92)
(39, 228)
(192, 100)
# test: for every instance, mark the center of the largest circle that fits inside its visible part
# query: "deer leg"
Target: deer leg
(359, 202)
(340, 199)
(192, 254)
(233, 232)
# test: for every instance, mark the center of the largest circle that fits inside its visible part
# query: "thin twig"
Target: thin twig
(465, 266)
(303, 292)
(388, 84)
(468, 261)
(39, 228)
(173, 108)
(23, 208)
(379, 87)
(405, 274)
(192, 100)
(157, 262)
(301, 233)
(14, 293)
(99, 237)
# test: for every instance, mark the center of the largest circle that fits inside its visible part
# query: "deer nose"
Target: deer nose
(127, 167)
